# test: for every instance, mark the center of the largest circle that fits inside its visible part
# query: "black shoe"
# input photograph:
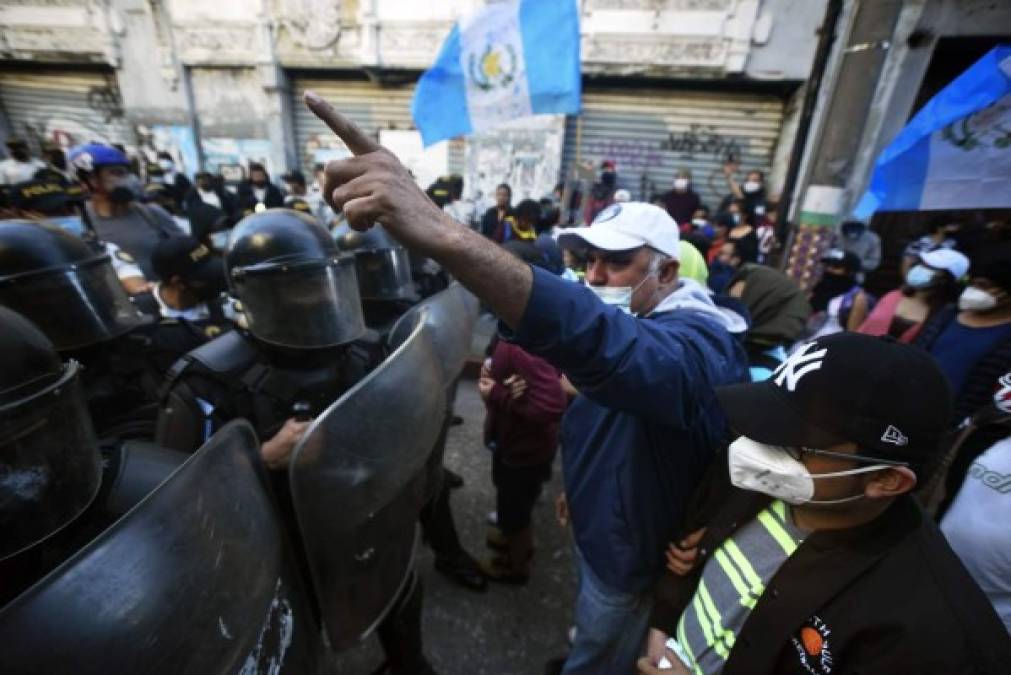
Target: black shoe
(455, 421)
(498, 569)
(554, 666)
(452, 478)
(462, 570)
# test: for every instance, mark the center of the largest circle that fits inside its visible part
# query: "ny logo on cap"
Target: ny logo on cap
(798, 365)
(894, 436)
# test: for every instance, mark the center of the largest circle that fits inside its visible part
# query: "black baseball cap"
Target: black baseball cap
(45, 196)
(889, 398)
(187, 258)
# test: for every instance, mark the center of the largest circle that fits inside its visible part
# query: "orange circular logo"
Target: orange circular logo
(812, 640)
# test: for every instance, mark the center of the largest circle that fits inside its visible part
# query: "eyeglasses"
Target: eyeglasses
(797, 451)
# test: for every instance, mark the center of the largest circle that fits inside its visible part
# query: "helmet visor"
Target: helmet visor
(75, 307)
(50, 465)
(306, 306)
(384, 274)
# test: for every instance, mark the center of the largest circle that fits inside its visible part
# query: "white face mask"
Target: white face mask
(618, 296)
(919, 276)
(680, 183)
(770, 470)
(976, 300)
(752, 186)
(699, 222)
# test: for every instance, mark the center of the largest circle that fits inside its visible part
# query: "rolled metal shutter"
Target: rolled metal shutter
(371, 106)
(651, 134)
(81, 106)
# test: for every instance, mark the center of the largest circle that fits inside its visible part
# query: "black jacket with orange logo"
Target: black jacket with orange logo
(889, 597)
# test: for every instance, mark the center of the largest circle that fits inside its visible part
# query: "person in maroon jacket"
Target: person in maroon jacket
(525, 402)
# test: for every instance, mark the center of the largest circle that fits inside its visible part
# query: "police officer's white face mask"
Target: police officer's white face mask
(772, 471)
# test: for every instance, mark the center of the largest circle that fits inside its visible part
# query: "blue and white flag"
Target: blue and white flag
(956, 152)
(511, 59)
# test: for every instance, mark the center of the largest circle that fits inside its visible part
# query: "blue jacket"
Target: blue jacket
(647, 423)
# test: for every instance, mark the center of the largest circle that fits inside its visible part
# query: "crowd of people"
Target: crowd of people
(758, 478)
(852, 413)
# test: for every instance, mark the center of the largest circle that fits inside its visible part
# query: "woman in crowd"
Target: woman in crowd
(743, 234)
(929, 285)
(838, 300)
(937, 236)
(972, 341)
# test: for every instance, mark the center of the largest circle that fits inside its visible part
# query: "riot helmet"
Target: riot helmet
(295, 288)
(382, 264)
(67, 288)
(50, 464)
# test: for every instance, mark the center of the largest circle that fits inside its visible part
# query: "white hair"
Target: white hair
(656, 260)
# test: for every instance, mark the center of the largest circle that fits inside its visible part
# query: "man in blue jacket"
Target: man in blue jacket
(644, 348)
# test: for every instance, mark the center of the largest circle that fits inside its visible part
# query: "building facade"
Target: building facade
(668, 84)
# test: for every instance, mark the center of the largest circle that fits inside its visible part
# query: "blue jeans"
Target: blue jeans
(611, 627)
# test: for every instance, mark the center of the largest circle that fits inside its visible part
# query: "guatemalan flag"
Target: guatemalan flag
(511, 59)
(956, 152)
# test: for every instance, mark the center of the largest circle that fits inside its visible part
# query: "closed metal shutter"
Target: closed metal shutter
(651, 134)
(371, 106)
(66, 107)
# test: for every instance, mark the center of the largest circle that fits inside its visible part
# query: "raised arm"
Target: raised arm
(374, 187)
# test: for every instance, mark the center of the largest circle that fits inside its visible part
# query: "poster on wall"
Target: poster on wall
(526, 154)
(425, 164)
(231, 156)
(176, 140)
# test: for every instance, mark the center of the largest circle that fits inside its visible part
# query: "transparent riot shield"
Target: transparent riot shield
(197, 578)
(358, 483)
(451, 315)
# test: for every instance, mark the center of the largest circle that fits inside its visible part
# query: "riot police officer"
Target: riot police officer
(304, 345)
(61, 485)
(68, 288)
(388, 292)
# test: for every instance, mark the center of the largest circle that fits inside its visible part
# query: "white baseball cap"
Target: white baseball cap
(627, 226)
(947, 259)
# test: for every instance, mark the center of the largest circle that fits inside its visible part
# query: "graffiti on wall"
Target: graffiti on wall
(702, 140)
(106, 100)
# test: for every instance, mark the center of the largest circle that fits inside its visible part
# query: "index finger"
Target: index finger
(353, 137)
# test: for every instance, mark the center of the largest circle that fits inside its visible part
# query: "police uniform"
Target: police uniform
(68, 287)
(304, 347)
(90, 481)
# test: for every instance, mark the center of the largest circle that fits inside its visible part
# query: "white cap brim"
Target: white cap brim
(603, 238)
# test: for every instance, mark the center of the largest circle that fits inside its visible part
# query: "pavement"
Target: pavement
(507, 630)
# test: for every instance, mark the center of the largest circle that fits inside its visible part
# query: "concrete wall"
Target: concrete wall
(224, 63)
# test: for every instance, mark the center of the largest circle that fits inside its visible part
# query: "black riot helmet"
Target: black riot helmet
(50, 465)
(66, 287)
(382, 264)
(295, 288)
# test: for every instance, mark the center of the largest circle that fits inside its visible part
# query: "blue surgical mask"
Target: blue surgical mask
(72, 224)
(618, 296)
(919, 276)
